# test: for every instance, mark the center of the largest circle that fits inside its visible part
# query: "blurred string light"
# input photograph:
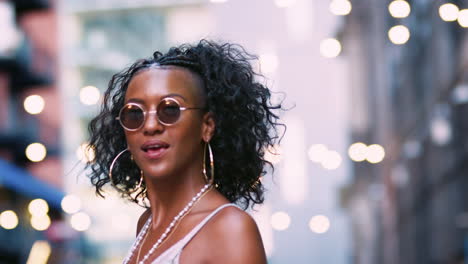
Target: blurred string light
(38, 207)
(359, 151)
(40, 222)
(40, 252)
(448, 12)
(329, 159)
(85, 153)
(330, 48)
(375, 153)
(90, 95)
(460, 94)
(80, 221)
(280, 221)
(218, 1)
(34, 104)
(36, 152)
(273, 154)
(71, 204)
(319, 224)
(463, 18)
(441, 131)
(8, 219)
(399, 34)
(399, 9)
(340, 7)
(316, 152)
(284, 3)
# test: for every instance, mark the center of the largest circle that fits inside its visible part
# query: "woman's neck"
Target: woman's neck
(170, 195)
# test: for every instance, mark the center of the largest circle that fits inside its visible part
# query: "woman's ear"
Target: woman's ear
(208, 126)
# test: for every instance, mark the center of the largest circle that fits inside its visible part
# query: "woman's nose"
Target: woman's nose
(152, 124)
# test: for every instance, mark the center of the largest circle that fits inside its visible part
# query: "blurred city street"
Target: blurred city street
(373, 165)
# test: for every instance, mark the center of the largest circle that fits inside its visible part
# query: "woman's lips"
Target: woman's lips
(154, 149)
(155, 153)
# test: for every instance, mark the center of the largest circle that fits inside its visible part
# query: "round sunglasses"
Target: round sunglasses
(133, 116)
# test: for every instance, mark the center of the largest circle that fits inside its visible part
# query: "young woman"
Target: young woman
(187, 130)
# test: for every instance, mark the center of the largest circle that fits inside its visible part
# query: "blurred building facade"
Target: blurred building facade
(412, 99)
(32, 223)
(27, 67)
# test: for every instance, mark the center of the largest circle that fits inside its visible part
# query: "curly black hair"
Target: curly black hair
(246, 120)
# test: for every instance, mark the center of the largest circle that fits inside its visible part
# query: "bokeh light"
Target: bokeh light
(8, 219)
(41, 222)
(399, 9)
(448, 12)
(218, 1)
(460, 94)
(34, 104)
(441, 131)
(280, 221)
(90, 95)
(375, 153)
(330, 48)
(38, 207)
(40, 252)
(36, 152)
(357, 152)
(463, 18)
(340, 7)
(331, 160)
(316, 152)
(319, 224)
(399, 34)
(71, 204)
(80, 221)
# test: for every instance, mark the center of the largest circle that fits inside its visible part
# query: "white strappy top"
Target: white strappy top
(172, 254)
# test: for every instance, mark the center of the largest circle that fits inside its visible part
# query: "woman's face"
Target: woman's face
(164, 150)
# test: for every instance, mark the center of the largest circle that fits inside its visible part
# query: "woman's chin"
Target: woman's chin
(152, 173)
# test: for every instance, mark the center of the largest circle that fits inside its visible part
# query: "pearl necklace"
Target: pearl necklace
(145, 228)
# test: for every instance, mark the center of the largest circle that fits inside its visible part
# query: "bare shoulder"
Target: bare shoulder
(142, 220)
(239, 222)
(232, 236)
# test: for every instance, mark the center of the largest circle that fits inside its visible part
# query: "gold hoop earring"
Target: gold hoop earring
(112, 166)
(210, 179)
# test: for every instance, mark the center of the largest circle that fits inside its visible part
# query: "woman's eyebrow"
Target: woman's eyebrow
(175, 95)
(135, 100)
(141, 101)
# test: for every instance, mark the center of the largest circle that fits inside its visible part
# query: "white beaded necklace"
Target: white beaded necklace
(168, 229)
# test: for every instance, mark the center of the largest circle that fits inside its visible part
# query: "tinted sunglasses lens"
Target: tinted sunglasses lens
(168, 111)
(132, 116)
